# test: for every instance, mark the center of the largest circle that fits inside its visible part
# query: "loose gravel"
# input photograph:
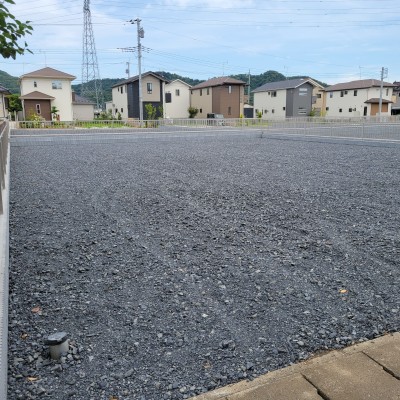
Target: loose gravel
(178, 265)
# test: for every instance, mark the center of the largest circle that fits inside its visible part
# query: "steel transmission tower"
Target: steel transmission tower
(91, 83)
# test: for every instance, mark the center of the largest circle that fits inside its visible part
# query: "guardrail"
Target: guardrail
(4, 253)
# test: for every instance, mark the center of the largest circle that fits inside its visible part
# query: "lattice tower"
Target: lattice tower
(91, 83)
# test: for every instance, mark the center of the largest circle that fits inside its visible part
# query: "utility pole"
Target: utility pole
(384, 74)
(248, 89)
(127, 69)
(140, 35)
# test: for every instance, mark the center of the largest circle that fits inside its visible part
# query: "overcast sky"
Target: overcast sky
(330, 40)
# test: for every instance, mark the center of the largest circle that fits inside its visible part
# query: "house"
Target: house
(177, 99)
(223, 95)
(46, 88)
(82, 109)
(3, 102)
(396, 99)
(125, 96)
(358, 98)
(289, 98)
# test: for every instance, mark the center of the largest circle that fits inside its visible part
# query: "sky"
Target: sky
(330, 40)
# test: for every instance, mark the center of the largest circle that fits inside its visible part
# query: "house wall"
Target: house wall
(335, 102)
(270, 106)
(229, 103)
(202, 99)
(62, 96)
(120, 101)
(30, 107)
(299, 101)
(178, 107)
(83, 112)
(319, 100)
(3, 110)
(156, 93)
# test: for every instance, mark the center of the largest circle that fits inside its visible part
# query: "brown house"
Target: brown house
(223, 95)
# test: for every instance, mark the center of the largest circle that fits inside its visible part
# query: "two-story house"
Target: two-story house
(289, 98)
(46, 88)
(177, 99)
(396, 99)
(358, 98)
(125, 95)
(3, 102)
(223, 95)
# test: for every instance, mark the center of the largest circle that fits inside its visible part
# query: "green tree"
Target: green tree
(151, 111)
(193, 111)
(11, 32)
(14, 105)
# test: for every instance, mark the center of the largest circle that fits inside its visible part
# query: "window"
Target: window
(319, 95)
(229, 89)
(122, 110)
(229, 110)
(341, 93)
(340, 109)
(149, 88)
(208, 91)
(330, 94)
(345, 92)
(265, 111)
(35, 84)
(201, 110)
(273, 111)
(201, 92)
(302, 111)
(327, 108)
(38, 109)
(350, 109)
(177, 92)
(284, 108)
(56, 85)
(273, 94)
(303, 92)
(168, 97)
(355, 93)
(387, 92)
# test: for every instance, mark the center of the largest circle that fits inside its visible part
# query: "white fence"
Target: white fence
(387, 127)
(4, 252)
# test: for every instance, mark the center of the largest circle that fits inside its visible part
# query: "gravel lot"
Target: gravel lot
(178, 265)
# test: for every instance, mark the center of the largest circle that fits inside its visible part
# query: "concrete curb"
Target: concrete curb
(4, 265)
(261, 386)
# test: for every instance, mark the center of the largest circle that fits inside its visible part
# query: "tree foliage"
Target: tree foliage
(11, 32)
(14, 105)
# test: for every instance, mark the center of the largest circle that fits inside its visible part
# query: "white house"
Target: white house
(358, 98)
(177, 99)
(83, 109)
(46, 88)
(289, 98)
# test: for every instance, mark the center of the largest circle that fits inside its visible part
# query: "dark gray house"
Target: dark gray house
(289, 98)
(125, 96)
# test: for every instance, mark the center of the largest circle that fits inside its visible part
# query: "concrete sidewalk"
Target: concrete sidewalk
(369, 370)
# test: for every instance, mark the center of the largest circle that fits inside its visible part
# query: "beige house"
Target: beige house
(3, 102)
(358, 98)
(177, 99)
(46, 88)
(223, 95)
(82, 109)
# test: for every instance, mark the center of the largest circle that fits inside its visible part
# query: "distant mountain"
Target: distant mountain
(12, 84)
(9, 82)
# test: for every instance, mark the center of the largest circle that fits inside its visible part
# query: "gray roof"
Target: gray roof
(135, 78)
(82, 100)
(220, 81)
(4, 90)
(361, 84)
(36, 96)
(282, 85)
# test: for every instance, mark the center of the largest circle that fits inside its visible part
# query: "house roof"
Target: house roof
(375, 100)
(135, 78)
(223, 80)
(283, 85)
(180, 81)
(4, 90)
(82, 100)
(48, 73)
(361, 84)
(36, 96)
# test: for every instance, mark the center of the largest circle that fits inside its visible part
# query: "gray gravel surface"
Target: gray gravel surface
(178, 265)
